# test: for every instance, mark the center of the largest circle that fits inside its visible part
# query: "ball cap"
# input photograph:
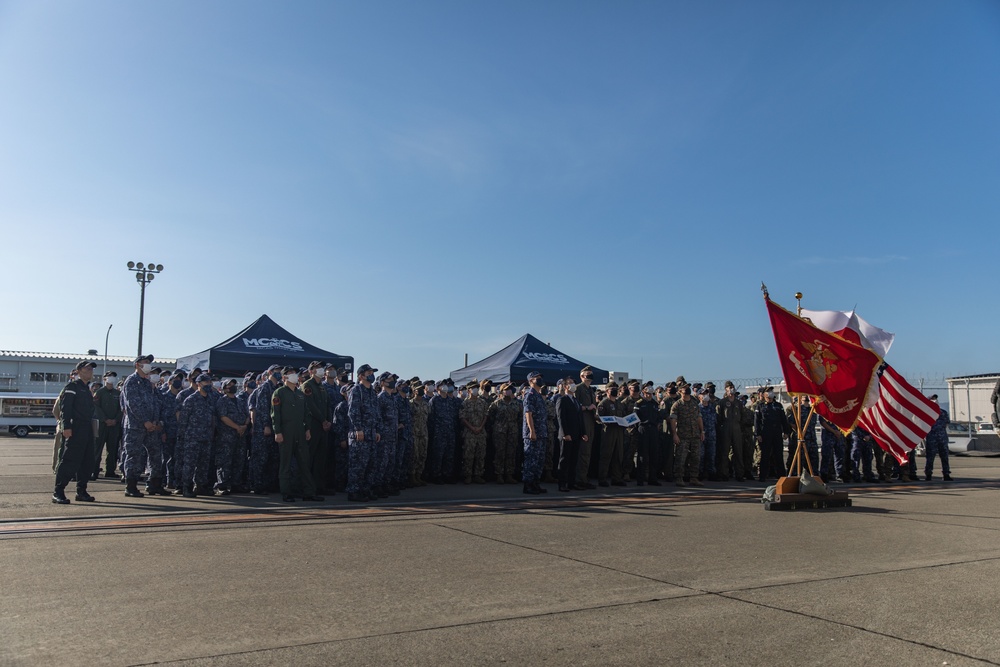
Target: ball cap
(204, 377)
(148, 359)
(365, 368)
(534, 374)
(85, 364)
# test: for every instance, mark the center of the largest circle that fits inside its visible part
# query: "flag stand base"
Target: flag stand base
(788, 498)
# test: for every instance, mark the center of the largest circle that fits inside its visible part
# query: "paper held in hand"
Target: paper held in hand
(626, 421)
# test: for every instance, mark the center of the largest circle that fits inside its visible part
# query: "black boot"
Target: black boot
(83, 496)
(132, 490)
(59, 497)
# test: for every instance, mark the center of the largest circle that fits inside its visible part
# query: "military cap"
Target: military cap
(696, 384)
(649, 383)
(680, 379)
(386, 376)
(933, 397)
(111, 374)
(414, 380)
(441, 383)
(534, 374)
(248, 374)
(289, 369)
(729, 383)
(709, 385)
(344, 388)
(315, 364)
(272, 368)
(85, 364)
(181, 372)
(611, 385)
(559, 383)
(402, 384)
(450, 387)
(365, 368)
(147, 358)
(586, 369)
(204, 377)
(156, 371)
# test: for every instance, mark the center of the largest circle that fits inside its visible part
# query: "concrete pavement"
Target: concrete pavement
(458, 575)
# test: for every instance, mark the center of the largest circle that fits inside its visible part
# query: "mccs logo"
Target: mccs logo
(272, 344)
(544, 358)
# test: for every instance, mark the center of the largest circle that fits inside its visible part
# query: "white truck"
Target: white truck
(22, 414)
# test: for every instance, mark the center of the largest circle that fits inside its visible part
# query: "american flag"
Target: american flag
(901, 416)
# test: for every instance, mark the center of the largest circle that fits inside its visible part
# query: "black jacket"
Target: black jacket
(569, 418)
(76, 407)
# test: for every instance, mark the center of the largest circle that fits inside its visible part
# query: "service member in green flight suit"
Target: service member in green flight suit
(288, 419)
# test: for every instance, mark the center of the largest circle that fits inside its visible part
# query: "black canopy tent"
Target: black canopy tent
(260, 345)
(524, 355)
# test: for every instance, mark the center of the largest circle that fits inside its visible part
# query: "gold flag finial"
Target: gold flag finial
(798, 309)
(763, 288)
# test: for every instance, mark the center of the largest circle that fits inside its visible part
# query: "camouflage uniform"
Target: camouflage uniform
(336, 455)
(141, 405)
(262, 446)
(937, 445)
(550, 445)
(363, 413)
(197, 419)
(385, 449)
(534, 450)
(419, 410)
(832, 450)
(473, 444)
(404, 448)
(242, 449)
(506, 416)
(170, 432)
(288, 415)
(707, 465)
(228, 439)
(685, 416)
(107, 406)
(442, 421)
(628, 442)
(861, 454)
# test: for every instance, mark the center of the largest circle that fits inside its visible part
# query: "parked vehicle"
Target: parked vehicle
(21, 414)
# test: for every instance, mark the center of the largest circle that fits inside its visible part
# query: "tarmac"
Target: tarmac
(484, 575)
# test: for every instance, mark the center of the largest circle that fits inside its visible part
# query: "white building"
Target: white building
(969, 397)
(48, 372)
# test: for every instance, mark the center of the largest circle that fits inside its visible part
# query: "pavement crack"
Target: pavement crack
(859, 628)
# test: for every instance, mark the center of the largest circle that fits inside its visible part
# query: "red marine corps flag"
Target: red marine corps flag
(823, 365)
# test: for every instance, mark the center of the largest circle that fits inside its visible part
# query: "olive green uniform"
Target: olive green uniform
(288, 419)
(107, 405)
(317, 412)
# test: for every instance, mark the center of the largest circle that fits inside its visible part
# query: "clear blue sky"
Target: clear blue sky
(407, 182)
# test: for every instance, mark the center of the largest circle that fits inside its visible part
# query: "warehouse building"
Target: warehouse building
(48, 372)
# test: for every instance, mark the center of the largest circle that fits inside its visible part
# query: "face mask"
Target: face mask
(205, 388)
(251, 386)
(109, 381)
(370, 378)
(292, 377)
(176, 384)
(571, 388)
(230, 390)
(475, 392)
(318, 373)
(277, 376)
(146, 368)
(613, 393)
(187, 384)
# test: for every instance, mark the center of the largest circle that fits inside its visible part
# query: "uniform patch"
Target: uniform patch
(275, 401)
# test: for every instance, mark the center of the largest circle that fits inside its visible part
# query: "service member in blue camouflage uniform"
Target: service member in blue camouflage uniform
(234, 422)
(336, 458)
(168, 415)
(861, 455)
(937, 445)
(197, 418)
(242, 450)
(363, 413)
(404, 448)
(262, 443)
(140, 435)
(535, 434)
(291, 433)
(708, 420)
(341, 427)
(831, 451)
(385, 449)
(419, 411)
(442, 422)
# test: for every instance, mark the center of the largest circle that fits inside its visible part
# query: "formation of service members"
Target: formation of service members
(302, 432)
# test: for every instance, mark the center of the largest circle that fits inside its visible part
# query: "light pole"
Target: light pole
(105, 370)
(143, 274)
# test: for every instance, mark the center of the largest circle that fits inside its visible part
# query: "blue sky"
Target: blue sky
(409, 182)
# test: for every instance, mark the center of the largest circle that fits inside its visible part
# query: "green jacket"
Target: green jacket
(288, 411)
